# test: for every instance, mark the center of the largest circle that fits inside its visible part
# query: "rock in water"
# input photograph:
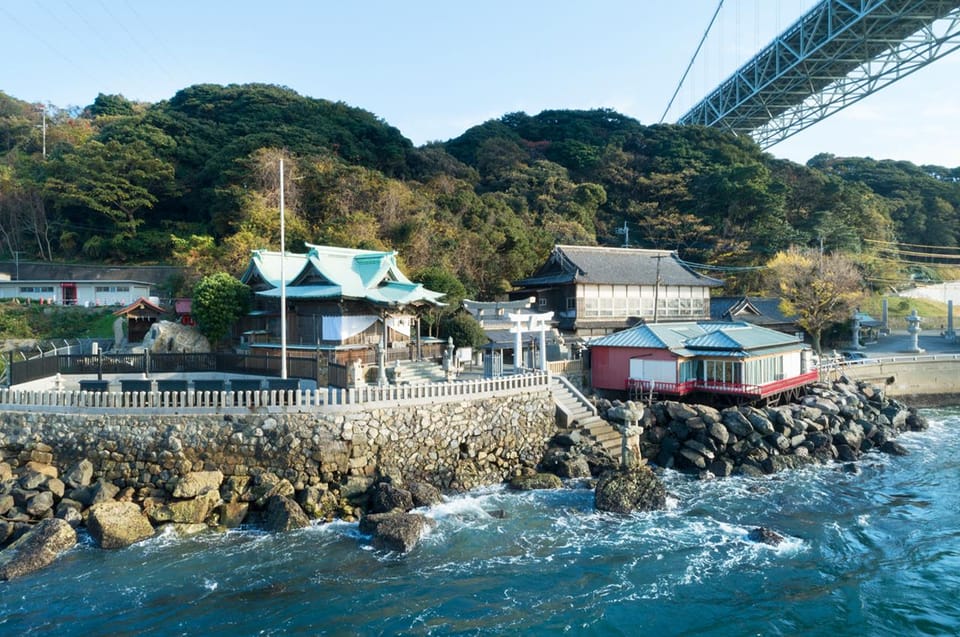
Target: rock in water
(765, 536)
(37, 548)
(638, 489)
(283, 514)
(424, 495)
(395, 531)
(536, 481)
(115, 525)
(386, 497)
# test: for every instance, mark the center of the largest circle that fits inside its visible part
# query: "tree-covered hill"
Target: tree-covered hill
(194, 180)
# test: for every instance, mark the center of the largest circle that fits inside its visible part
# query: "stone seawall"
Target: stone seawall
(453, 445)
(921, 382)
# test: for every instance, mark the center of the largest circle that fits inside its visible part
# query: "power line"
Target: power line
(911, 245)
(723, 268)
(937, 255)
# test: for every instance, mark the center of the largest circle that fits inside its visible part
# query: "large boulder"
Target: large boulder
(197, 483)
(638, 489)
(37, 548)
(424, 494)
(115, 525)
(283, 514)
(386, 497)
(566, 463)
(79, 474)
(169, 337)
(536, 481)
(395, 531)
(190, 511)
(764, 535)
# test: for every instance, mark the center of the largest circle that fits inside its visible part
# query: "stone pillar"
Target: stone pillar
(517, 351)
(856, 334)
(885, 318)
(950, 334)
(382, 363)
(449, 360)
(543, 350)
(913, 329)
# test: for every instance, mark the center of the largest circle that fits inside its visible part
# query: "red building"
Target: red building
(735, 359)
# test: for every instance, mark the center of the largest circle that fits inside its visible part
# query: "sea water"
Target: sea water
(871, 552)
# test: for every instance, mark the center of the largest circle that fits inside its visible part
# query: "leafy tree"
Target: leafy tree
(219, 301)
(465, 330)
(108, 105)
(439, 279)
(820, 290)
(119, 181)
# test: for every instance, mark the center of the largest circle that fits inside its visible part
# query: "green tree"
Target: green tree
(119, 181)
(440, 279)
(820, 290)
(219, 301)
(464, 330)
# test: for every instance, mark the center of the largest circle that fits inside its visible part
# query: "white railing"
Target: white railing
(577, 394)
(881, 360)
(325, 399)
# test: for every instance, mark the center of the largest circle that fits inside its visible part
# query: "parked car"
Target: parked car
(855, 357)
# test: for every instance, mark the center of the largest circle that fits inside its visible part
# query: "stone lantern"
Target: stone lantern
(627, 421)
(913, 329)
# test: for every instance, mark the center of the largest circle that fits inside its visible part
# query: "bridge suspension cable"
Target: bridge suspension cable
(692, 60)
(833, 56)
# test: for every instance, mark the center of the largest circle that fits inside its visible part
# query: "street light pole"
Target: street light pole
(283, 285)
(43, 127)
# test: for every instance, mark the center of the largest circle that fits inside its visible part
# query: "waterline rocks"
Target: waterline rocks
(37, 548)
(629, 491)
(836, 422)
(115, 525)
(764, 535)
(535, 481)
(395, 531)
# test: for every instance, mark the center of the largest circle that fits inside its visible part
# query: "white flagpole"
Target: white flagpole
(283, 286)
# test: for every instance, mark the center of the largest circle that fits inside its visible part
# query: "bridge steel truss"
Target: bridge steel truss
(833, 56)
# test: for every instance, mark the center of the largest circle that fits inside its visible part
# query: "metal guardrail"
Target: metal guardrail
(880, 360)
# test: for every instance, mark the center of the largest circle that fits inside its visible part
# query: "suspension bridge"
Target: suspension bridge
(834, 55)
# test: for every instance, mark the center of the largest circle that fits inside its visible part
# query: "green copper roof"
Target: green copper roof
(326, 272)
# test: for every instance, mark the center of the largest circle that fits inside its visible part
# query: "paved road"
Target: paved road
(942, 292)
(898, 343)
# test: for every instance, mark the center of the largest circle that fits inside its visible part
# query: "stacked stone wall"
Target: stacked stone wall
(453, 445)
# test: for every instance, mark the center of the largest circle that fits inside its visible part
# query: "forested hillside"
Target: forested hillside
(194, 180)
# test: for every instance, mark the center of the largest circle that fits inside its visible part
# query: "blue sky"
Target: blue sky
(435, 68)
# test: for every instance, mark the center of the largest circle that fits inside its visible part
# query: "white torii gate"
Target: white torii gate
(530, 323)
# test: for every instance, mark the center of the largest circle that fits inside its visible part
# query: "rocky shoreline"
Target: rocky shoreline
(40, 509)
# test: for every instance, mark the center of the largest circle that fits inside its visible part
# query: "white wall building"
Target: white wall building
(85, 293)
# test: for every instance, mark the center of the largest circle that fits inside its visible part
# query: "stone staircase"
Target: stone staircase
(415, 373)
(574, 413)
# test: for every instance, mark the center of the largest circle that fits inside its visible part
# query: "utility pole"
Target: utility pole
(625, 231)
(656, 289)
(43, 126)
(283, 285)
